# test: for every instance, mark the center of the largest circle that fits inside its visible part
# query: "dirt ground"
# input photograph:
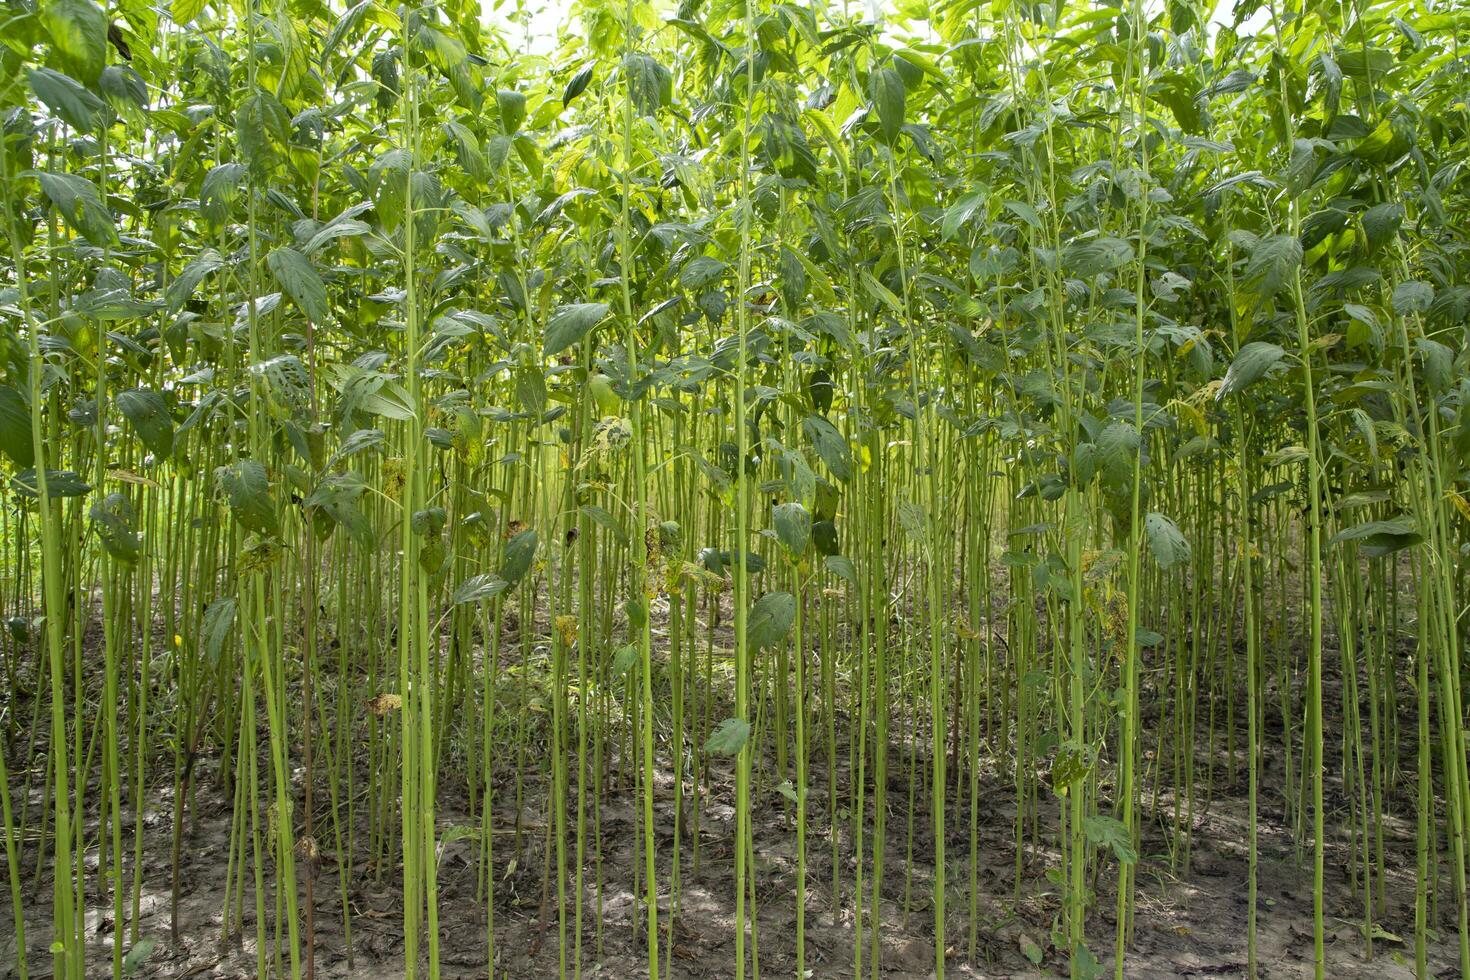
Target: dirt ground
(1189, 923)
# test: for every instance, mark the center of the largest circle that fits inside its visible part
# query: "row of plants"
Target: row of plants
(1069, 394)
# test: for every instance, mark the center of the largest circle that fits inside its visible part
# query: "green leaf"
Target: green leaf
(80, 205)
(182, 287)
(78, 30)
(519, 551)
(842, 567)
(336, 497)
(1094, 256)
(569, 324)
(1412, 296)
(247, 488)
(887, 93)
(184, 11)
(606, 521)
(216, 627)
(139, 954)
(15, 427)
(149, 415)
(263, 129)
(1272, 262)
(1251, 363)
(65, 96)
(793, 527)
(59, 483)
(299, 280)
(1105, 832)
(830, 445)
(1378, 538)
(220, 189)
(728, 738)
(512, 106)
(477, 587)
(770, 619)
(963, 211)
(650, 85)
(1381, 223)
(1165, 541)
(578, 84)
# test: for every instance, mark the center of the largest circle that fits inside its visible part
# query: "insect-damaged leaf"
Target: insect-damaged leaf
(728, 738)
(247, 488)
(793, 524)
(569, 324)
(519, 552)
(59, 483)
(113, 518)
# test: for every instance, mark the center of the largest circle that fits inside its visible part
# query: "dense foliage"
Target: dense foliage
(392, 414)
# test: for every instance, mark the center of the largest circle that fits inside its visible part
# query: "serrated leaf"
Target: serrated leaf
(520, 550)
(1412, 296)
(182, 287)
(78, 30)
(149, 416)
(1378, 538)
(1250, 365)
(299, 280)
(477, 587)
(1105, 832)
(1094, 256)
(887, 93)
(770, 619)
(842, 567)
(1271, 264)
(512, 106)
(829, 445)
(793, 524)
(67, 98)
(1381, 223)
(650, 85)
(247, 488)
(577, 84)
(217, 625)
(1165, 541)
(80, 205)
(728, 738)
